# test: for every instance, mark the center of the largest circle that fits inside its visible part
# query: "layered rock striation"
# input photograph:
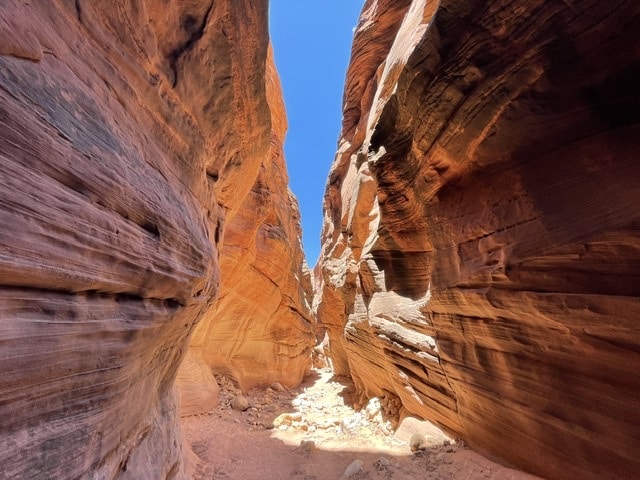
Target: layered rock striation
(261, 330)
(134, 137)
(481, 245)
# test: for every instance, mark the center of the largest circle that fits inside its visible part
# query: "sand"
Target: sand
(312, 433)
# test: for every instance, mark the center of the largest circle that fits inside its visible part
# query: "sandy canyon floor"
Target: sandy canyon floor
(311, 433)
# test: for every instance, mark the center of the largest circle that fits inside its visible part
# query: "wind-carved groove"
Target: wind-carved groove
(195, 33)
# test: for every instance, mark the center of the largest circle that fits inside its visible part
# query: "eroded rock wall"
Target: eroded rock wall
(262, 329)
(131, 133)
(481, 245)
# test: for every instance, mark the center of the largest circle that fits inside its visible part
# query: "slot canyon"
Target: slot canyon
(480, 254)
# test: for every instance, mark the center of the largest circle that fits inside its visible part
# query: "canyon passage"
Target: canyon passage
(477, 288)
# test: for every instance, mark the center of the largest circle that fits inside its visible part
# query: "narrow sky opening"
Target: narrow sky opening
(312, 45)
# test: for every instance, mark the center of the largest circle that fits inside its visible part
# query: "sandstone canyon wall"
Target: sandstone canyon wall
(481, 245)
(134, 138)
(261, 329)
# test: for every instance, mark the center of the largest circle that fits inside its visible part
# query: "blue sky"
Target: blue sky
(312, 43)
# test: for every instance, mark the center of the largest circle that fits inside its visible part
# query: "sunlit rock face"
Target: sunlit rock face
(481, 247)
(131, 133)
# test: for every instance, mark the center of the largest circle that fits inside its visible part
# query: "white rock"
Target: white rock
(373, 408)
(417, 443)
(349, 423)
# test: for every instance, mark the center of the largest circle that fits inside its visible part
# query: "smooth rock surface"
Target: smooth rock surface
(131, 133)
(482, 229)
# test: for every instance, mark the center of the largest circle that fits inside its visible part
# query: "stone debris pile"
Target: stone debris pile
(318, 413)
(312, 415)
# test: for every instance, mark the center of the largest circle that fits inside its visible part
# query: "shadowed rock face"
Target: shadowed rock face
(482, 230)
(131, 133)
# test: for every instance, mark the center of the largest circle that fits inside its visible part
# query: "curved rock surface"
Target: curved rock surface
(130, 134)
(482, 230)
(262, 329)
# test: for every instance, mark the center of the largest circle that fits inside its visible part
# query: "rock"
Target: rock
(481, 226)
(123, 155)
(373, 408)
(240, 403)
(350, 424)
(307, 446)
(354, 469)
(263, 316)
(417, 443)
(277, 386)
(382, 464)
(199, 390)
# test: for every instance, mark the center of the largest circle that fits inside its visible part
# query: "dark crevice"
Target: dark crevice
(79, 11)
(123, 464)
(119, 297)
(64, 137)
(213, 176)
(171, 303)
(217, 233)
(151, 228)
(125, 297)
(195, 32)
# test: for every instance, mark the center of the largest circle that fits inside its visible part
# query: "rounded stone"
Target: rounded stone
(240, 403)
(356, 467)
(417, 443)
